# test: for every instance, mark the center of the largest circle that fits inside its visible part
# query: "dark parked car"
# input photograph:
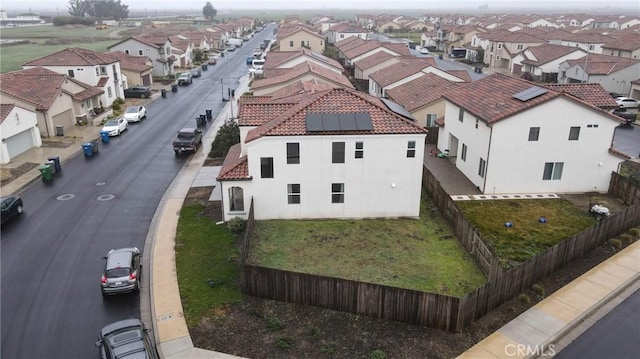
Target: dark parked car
(196, 73)
(126, 339)
(11, 207)
(122, 271)
(137, 91)
(622, 112)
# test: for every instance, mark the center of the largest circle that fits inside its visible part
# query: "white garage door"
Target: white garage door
(19, 143)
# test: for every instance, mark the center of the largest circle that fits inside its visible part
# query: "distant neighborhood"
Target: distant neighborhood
(346, 109)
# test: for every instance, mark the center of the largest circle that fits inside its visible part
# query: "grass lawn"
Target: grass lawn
(527, 237)
(420, 254)
(205, 252)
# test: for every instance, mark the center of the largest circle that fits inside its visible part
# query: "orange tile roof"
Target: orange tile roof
(234, 167)
(597, 64)
(293, 121)
(5, 110)
(420, 92)
(102, 81)
(373, 60)
(543, 54)
(37, 85)
(278, 58)
(401, 70)
(132, 63)
(592, 93)
(74, 57)
(300, 70)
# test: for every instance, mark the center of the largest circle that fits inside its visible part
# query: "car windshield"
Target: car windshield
(186, 76)
(132, 110)
(185, 135)
(111, 123)
(117, 272)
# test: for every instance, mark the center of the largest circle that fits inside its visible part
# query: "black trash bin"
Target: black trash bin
(209, 114)
(440, 56)
(163, 92)
(204, 67)
(56, 163)
(59, 130)
(174, 88)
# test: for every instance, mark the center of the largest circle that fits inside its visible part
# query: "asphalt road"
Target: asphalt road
(51, 257)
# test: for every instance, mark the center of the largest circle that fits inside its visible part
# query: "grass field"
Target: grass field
(420, 254)
(527, 237)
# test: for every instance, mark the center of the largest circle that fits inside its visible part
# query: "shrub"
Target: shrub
(116, 106)
(523, 298)
(73, 20)
(227, 136)
(274, 323)
(313, 333)
(377, 354)
(236, 224)
(626, 239)
(538, 289)
(284, 342)
(635, 232)
(119, 100)
(615, 243)
(328, 348)
(248, 93)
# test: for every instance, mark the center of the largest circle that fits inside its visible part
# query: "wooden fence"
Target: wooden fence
(625, 189)
(429, 309)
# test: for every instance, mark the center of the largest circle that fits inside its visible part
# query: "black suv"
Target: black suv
(126, 339)
(121, 271)
(137, 91)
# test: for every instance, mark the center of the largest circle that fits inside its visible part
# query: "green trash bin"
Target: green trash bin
(45, 171)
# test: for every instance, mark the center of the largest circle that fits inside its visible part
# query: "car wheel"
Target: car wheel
(20, 210)
(104, 295)
(143, 96)
(176, 152)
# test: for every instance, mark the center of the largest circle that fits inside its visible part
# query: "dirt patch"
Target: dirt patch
(213, 161)
(586, 200)
(10, 174)
(200, 195)
(258, 328)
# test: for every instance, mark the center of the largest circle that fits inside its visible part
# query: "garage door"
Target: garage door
(146, 80)
(19, 143)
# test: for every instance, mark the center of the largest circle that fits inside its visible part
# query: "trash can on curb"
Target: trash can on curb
(163, 92)
(174, 88)
(52, 166)
(104, 135)
(204, 67)
(209, 114)
(56, 163)
(59, 130)
(45, 171)
(87, 149)
(200, 121)
(94, 146)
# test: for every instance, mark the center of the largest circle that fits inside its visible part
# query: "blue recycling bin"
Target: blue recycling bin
(104, 135)
(87, 148)
(56, 163)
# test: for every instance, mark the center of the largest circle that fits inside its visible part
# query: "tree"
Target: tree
(227, 136)
(100, 9)
(209, 11)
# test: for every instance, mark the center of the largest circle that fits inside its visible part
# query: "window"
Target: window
(463, 156)
(293, 193)
(70, 72)
(337, 193)
(476, 123)
(574, 133)
(482, 167)
(337, 154)
(126, 51)
(534, 133)
(236, 199)
(109, 94)
(591, 47)
(520, 47)
(293, 153)
(266, 167)
(552, 171)
(103, 70)
(140, 53)
(168, 50)
(291, 43)
(460, 114)
(302, 43)
(431, 119)
(499, 46)
(411, 149)
(97, 72)
(359, 149)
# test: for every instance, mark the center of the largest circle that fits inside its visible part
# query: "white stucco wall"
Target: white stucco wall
(18, 120)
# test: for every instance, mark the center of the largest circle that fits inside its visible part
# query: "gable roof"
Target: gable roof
(74, 56)
(234, 167)
(597, 64)
(592, 93)
(401, 70)
(132, 63)
(38, 86)
(293, 121)
(299, 71)
(543, 54)
(349, 43)
(277, 58)
(5, 110)
(347, 28)
(298, 29)
(421, 91)
(373, 60)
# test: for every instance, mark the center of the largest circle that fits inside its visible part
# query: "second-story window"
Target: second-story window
(411, 149)
(359, 149)
(337, 152)
(70, 73)
(534, 133)
(293, 153)
(103, 70)
(266, 167)
(574, 133)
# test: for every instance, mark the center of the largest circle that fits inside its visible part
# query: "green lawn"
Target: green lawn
(527, 237)
(419, 254)
(208, 273)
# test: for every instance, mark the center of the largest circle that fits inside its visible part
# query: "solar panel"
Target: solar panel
(331, 121)
(397, 108)
(314, 122)
(363, 121)
(530, 93)
(348, 122)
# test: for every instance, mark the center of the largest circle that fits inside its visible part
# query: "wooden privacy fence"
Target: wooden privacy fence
(625, 189)
(429, 309)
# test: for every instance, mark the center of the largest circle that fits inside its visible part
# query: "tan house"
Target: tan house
(138, 70)
(502, 47)
(300, 37)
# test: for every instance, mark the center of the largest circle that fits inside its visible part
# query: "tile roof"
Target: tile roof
(597, 64)
(234, 167)
(461, 74)
(349, 43)
(397, 47)
(491, 98)
(37, 85)
(589, 37)
(292, 93)
(102, 81)
(278, 58)
(74, 57)
(543, 54)
(420, 92)
(346, 28)
(5, 110)
(301, 70)
(373, 60)
(132, 63)
(592, 93)
(292, 122)
(297, 29)
(365, 47)
(624, 41)
(156, 41)
(87, 94)
(401, 70)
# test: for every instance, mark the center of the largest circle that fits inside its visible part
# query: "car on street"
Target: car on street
(630, 117)
(125, 339)
(212, 61)
(135, 113)
(115, 126)
(122, 271)
(196, 72)
(188, 139)
(137, 92)
(232, 48)
(185, 79)
(627, 102)
(11, 207)
(423, 50)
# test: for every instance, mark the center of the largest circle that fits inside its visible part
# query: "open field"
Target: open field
(419, 254)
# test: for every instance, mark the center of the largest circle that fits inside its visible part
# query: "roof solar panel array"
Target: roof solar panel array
(349, 121)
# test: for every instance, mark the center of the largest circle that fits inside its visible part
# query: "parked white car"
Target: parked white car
(627, 102)
(115, 126)
(135, 113)
(423, 50)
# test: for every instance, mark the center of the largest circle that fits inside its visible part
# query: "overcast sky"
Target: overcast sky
(578, 5)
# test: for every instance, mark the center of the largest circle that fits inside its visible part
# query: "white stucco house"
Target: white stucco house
(19, 128)
(337, 153)
(526, 138)
(156, 47)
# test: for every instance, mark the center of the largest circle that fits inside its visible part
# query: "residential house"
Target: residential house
(581, 20)
(635, 89)
(371, 47)
(415, 26)
(199, 40)
(348, 44)
(181, 48)
(332, 154)
(542, 62)
(289, 59)
(276, 79)
(612, 72)
(502, 47)
(629, 22)
(341, 31)
(155, 47)
(510, 136)
(93, 68)
(137, 70)
(323, 25)
(386, 24)
(586, 40)
(230, 30)
(56, 99)
(605, 22)
(626, 44)
(429, 39)
(594, 94)
(460, 36)
(19, 128)
(218, 38)
(298, 37)
(364, 67)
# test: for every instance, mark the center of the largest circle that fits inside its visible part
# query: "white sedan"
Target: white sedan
(115, 126)
(135, 113)
(423, 50)
(627, 102)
